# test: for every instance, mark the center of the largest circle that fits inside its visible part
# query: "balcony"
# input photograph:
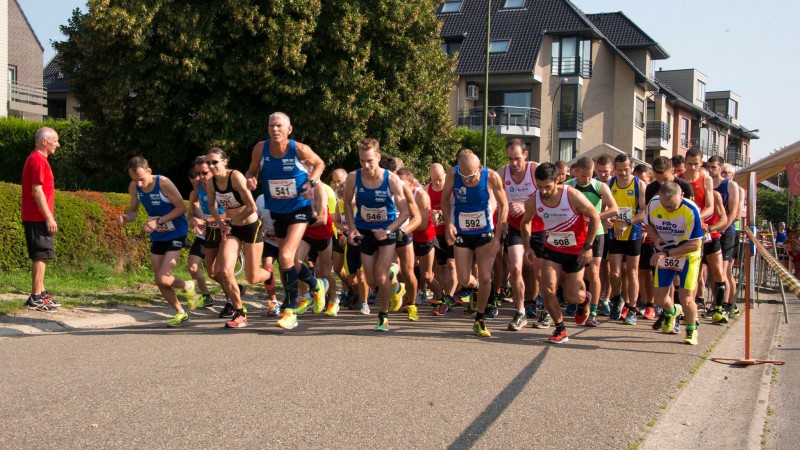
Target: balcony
(658, 135)
(570, 120)
(506, 120)
(27, 98)
(706, 147)
(735, 157)
(571, 66)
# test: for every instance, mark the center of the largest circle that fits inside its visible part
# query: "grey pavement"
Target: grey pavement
(335, 383)
(781, 430)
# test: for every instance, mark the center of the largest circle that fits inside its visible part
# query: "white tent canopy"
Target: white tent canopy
(770, 165)
(605, 149)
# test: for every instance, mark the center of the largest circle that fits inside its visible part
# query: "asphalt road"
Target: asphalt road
(335, 383)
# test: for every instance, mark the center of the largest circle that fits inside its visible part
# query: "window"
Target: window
(12, 74)
(451, 6)
(520, 98)
(500, 46)
(684, 132)
(637, 153)
(651, 111)
(701, 91)
(514, 4)
(451, 46)
(572, 56)
(567, 149)
(713, 140)
(733, 109)
(639, 115)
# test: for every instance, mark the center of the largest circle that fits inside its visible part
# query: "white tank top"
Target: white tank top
(518, 193)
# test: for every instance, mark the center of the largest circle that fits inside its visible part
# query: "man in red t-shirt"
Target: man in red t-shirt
(38, 192)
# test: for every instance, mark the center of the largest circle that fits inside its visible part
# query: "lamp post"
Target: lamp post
(562, 82)
(486, 81)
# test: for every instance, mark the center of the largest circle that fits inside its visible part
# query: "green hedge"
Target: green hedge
(87, 231)
(80, 163)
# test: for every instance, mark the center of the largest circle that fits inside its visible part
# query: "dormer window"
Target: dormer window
(452, 6)
(510, 4)
(499, 46)
(572, 56)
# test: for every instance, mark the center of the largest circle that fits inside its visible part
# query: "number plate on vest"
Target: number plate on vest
(561, 238)
(472, 221)
(282, 189)
(670, 263)
(166, 226)
(374, 214)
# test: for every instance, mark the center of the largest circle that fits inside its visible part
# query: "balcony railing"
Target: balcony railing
(706, 147)
(658, 129)
(571, 65)
(570, 120)
(503, 116)
(735, 157)
(27, 94)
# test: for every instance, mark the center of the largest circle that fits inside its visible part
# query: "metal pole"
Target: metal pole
(486, 82)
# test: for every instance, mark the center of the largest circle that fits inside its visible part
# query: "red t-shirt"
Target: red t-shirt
(36, 171)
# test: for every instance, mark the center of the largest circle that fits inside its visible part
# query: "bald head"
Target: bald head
(437, 170)
(44, 133)
(339, 175)
(468, 161)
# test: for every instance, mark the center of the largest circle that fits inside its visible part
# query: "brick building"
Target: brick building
(21, 52)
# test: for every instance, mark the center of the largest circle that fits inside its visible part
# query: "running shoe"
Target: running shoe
(53, 302)
(397, 298)
(658, 310)
(239, 320)
(530, 310)
(288, 320)
(189, 292)
(616, 307)
(558, 337)
(227, 311)
(479, 327)
(273, 308)
(630, 318)
(691, 337)
(517, 322)
(473, 303)
(591, 321)
(441, 308)
(242, 289)
(344, 299)
(412, 313)
(269, 284)
(319, 295)
(544, 320)
(207, 301)
(394, 269)
(604, 308)
(333, 308)
(669, 320)
(506, 292)
(373, 297)
(179, 319)
(302, 304)
(701, 305)
(491, 311)
(623, 313)
(677, 329)
(38, 304)
(582, 313)
(383, 324)
(720, 317)
(649, 313)
(364, 309)
(421, 297)
(659, 321)
(462, 296)
(732, 312)
(570, 310)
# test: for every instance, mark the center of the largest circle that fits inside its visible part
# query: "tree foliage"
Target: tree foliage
(169, 79)
(473, 140)
(772, 206)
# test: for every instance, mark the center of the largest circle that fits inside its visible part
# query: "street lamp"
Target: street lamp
(553, 124)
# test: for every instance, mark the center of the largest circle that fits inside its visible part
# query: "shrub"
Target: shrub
(87, 231)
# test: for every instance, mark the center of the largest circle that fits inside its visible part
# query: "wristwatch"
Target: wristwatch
(313, 183)
(159, 221)
(387, 231)
(401, 230)
(628, 221)
(587, 246)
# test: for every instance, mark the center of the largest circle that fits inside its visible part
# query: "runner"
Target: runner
(317, 238)
(563, 172)
(338, 178)
(729, 241)
(604, 169)
(625, 244)
(197, 250)
(445, 256)
(678, 165)
(599, 195)
(674, 222)
(355, 274)
(382, 209)
(167, 226)
(284, 165)
(269, 255)
(517, 178)
(564, 211)
(423, 238)
(471, 229)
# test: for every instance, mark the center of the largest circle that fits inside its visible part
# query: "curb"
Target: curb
(755, 433)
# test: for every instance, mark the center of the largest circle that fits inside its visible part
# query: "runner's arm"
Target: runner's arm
(496, 184)
(447, 192)
(320, 206)
(415, 217)
(400, 201)
(639, 216)
(133, 207)
(349, 192)
(708, 208)
(609, 203)
(174, 197)
(721, 214)
(240, 184)
(312, 160)
(424, 205)
(582, 205)
(255, 166)
(732, 209)
(525, 224)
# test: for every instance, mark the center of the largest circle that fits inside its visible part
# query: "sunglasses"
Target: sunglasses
(467, 177)
(214, 162)
(724, 172)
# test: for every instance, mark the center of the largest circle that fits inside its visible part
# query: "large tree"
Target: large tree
(168, 79)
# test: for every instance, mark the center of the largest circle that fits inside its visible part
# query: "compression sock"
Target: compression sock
(307, 277)
(289, 278)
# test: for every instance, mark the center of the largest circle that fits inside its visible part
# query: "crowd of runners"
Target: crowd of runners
(595, 239)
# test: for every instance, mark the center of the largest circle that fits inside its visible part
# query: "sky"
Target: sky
(745, 46)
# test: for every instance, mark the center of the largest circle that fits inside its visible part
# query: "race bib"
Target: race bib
(472, 221)
(625, 213)
(672, 263)
(374, 214)
(561, 238)
(166, 226)
(282, 189)
(227, 200)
